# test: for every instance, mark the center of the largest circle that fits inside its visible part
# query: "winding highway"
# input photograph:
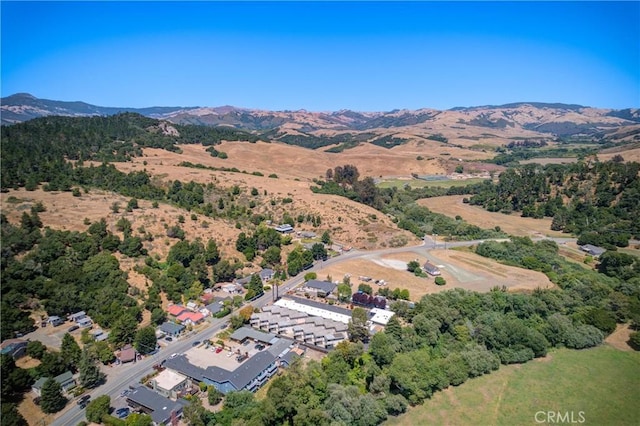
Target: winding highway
(119, 377)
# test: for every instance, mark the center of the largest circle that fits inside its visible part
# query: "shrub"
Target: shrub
(440, 281)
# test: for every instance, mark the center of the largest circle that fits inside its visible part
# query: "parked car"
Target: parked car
(219, 349)
(259, 346)
(121, 413)
(196, 343)
(73, 328)
(169, 339)
(83, 400)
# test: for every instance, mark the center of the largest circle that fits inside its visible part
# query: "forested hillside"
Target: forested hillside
(39, 150)
(598, 201)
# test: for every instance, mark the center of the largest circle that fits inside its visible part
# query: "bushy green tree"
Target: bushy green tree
(90, 374)
(98, 408)
(145, 340)
(51, 398)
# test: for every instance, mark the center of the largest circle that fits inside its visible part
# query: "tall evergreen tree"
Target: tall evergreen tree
(90, 374)
(51, 398)
(70, 351)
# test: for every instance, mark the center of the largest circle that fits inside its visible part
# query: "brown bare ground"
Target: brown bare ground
(486, 273)
(512, 224)
(32, 413)
(619, 338)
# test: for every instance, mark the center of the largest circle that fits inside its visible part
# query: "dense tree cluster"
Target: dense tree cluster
(599, 201)
(33, 151)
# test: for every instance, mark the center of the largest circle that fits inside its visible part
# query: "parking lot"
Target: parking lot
(205, 357)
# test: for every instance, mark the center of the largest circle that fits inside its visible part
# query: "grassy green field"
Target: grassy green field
(420, 183)
(603, 383)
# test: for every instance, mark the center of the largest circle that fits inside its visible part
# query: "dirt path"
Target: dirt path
(619, 338)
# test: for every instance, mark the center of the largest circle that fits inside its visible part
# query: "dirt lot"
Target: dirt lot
(460, 269)
(619, 338)
(512, 224)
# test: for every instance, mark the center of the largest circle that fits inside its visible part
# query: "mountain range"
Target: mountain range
(465, 126)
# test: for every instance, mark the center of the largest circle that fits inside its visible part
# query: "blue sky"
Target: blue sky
(323, 56)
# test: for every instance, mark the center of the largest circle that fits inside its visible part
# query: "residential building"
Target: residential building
(380, 316)
(162, 410)
(16, 348)
(267, 274)
(66, 381)
(78, 315)
(594, 251)
(250, 375)
(171, 329)
(285, 228)
(55, 321)
(169, 383)
(320, 288)
(431, 269)
(190, 318)
(126, 354)
(175, 310)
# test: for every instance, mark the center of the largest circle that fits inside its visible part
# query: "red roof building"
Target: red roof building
(190, 317)
(176, 310)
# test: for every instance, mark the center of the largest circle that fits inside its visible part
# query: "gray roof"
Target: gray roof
(182, 365)
(171, 327)
(591, 249)
(325, 306)
(61, 379)
(245, 373)
(279, 346)
(214, 307)
(160, 406)
(239, 378)
(247, 332)
(325, 286)
(266, 273)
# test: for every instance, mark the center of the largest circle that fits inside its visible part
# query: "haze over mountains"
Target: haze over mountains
(493, 125)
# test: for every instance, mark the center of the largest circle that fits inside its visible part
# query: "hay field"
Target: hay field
(512, 224)
(601, 382)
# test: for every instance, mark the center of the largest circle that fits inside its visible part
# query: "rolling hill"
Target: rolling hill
(488, 126)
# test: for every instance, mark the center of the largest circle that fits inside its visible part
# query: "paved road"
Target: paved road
(121, 376)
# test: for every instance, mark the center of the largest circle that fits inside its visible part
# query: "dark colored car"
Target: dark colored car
(83, 401)
(169, 339)
(73, 328)
(196, 343)
(121, 413)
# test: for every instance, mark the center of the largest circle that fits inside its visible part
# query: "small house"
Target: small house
(176, 310)
(66, 381)
(85, 322)
(594, 251)
(192, 318)
(267, 274)
(285, 228)
(127, 354)
(321, 288)
(171, 329)
(16, 348)
(55, 321)
(431, 269)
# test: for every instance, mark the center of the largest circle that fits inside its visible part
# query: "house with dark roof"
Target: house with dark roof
(171, 328)
(249, 375)
(244, 333)
(214, 308)
(16, 348)
(431, 269)
(266, 274)
(66, 381)
(320, 288)
(162, 410)
(594, 251)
